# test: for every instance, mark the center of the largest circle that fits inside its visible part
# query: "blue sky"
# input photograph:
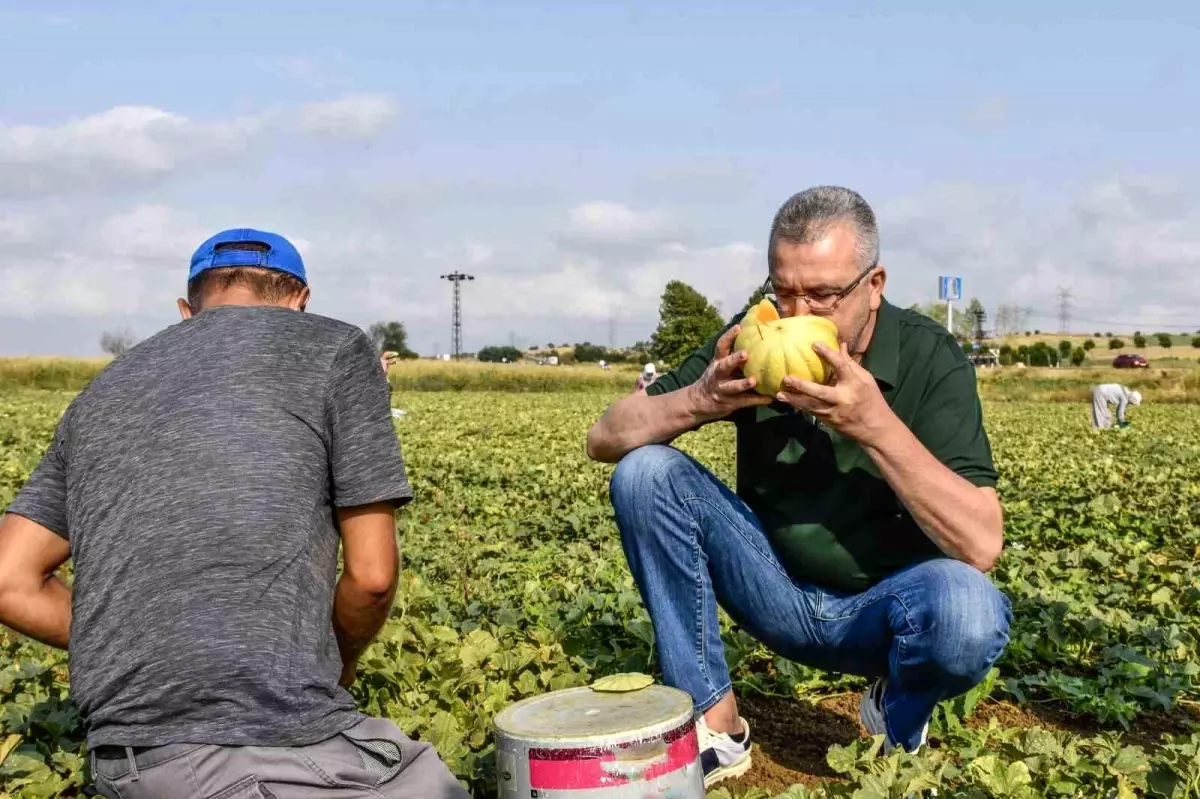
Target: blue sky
(576, 156)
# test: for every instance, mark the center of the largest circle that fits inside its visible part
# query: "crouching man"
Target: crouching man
(202, 486)
(865, 514)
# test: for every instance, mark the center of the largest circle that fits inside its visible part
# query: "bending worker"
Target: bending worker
(1111, 394)
(865, 514)
(647, 377)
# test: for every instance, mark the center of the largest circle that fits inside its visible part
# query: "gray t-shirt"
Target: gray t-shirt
(195, 479)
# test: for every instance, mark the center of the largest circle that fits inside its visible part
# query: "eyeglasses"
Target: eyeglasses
(821, 302)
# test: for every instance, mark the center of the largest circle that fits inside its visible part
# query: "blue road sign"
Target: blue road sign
(949, 288)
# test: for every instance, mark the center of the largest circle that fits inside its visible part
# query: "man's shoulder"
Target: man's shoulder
(225, 335)
(325, 328)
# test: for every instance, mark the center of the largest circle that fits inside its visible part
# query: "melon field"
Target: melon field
(514, 584)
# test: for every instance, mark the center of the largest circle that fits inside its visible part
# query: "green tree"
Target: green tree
(1078, 356)
(117, 342)
(1064, 349)
(499, 354)
(1164, 340)
(391, 336)
(1139, 340)
(685, 321)
(1089, 345)
(964, 320)
(591, 353)
(1196, 341)
(1115, 344)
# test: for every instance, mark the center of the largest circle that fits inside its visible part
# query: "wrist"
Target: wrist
(692, 405)
(885, 431)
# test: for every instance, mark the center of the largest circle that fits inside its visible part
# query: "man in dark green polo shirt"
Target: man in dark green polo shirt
(865, 514)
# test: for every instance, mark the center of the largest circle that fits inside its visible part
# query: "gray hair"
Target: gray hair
(806, 218)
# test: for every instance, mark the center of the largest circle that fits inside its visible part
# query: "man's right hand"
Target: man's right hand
(720, 391)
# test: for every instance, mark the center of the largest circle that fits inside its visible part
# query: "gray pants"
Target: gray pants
(371, 759)
(1101, 416)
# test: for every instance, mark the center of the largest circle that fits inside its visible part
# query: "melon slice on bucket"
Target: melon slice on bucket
(621, 683)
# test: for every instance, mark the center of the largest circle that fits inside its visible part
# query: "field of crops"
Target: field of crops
(514, 584)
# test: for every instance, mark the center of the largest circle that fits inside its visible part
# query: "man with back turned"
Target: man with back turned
(202, 485)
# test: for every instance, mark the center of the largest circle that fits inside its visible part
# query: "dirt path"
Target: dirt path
(792, 737)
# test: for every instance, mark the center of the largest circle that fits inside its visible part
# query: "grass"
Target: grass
(1170, 384)
(514, 377)
(57, 374)
(1157, 385)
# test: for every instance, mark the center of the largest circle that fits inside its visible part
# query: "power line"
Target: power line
(457, 278)
(1134, 323)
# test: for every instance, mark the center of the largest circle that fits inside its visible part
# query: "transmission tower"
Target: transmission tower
(980, 319)
(457, 278)
(1064, 309)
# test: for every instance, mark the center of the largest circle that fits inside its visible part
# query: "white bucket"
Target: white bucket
(584, 744)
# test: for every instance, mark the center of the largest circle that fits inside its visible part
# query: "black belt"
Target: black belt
(111, 752)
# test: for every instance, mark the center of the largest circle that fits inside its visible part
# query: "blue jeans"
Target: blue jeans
(933, 629)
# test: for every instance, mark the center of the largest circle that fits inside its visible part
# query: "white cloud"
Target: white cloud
(609, 221)
(130, 262)
(1128, 249)
(360, 116)
(120, 145)
(132, 145)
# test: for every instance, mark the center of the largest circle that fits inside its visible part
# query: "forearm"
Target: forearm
(962, 519)
(638, 420)
(42, 612)
(358, 616)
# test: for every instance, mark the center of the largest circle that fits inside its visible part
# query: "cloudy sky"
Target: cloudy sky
(574, 157)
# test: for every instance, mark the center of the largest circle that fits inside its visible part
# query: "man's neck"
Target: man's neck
(236, 295)
(864, 338)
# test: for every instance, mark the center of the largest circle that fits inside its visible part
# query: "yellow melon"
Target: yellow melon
(784, 347)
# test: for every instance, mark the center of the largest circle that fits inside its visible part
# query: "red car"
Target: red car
(1130, 361)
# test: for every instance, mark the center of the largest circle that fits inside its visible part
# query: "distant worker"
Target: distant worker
(1112, 394)
(648, 376)
(202, 486)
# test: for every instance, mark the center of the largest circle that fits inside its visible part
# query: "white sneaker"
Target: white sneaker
(721, 756)
(870, 712)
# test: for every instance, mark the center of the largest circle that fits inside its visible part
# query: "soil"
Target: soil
(791, 737)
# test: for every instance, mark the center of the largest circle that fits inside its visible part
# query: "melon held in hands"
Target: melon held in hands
(779, 348)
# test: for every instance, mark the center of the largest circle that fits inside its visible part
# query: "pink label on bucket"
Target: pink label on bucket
(598, 767)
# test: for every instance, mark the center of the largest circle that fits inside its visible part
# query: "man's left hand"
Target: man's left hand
(851, 404)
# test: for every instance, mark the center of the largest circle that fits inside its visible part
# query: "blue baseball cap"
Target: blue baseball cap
(280, 255)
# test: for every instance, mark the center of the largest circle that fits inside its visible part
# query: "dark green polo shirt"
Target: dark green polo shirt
(829, 514)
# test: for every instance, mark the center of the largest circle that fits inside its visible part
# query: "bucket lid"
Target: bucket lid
(581, 715)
